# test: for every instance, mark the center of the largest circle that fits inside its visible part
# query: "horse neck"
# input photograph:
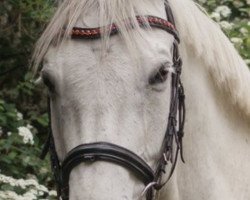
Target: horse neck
(216, 144)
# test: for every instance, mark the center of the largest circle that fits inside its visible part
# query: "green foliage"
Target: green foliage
(233, 16)
(23, 104)
(20, 152)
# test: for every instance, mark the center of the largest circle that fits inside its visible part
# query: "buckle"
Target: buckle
(147, 188)
(178, 64)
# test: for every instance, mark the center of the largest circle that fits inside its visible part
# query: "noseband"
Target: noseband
(104, 151)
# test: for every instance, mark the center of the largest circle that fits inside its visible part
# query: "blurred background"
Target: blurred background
(23, 111)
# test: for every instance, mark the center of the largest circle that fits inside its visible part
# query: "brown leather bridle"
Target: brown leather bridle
(104, 151)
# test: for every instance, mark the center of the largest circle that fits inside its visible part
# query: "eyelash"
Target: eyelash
(160, 76)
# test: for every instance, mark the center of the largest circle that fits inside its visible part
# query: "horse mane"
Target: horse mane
(197, 32)
(205, 38)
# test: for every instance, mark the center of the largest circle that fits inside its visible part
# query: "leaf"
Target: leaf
(12, 155)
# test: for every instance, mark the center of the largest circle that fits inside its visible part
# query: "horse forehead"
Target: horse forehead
(85, 56)
(80, 59)
(156, 41)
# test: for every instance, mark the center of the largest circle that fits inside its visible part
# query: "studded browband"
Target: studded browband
(152, 21)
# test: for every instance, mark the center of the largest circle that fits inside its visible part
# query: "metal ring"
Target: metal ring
(149, 186)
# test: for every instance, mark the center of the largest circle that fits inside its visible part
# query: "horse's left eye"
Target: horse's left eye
(160, 76)
(48, 81)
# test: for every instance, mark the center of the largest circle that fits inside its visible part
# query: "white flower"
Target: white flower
(31, 182)
(225, 25)
(32, 187)
(10, 195)
(237, 41)
(19, 116)
(31, 194)
(43, 170)
(29, 126)
(40, 193)
(42, 188)
(224, 11)
(244, 31)
(52, 193)
(9, 133)
(215, 16)
(248, 2)
(26, 134)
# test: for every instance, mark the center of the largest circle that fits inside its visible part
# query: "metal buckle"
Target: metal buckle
(165, 158)
(178, 64)
(148, 187)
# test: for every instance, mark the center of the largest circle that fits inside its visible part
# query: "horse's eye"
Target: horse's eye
(47, 80)
(160, 76)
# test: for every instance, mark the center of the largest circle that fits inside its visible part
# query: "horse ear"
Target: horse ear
(169, 13)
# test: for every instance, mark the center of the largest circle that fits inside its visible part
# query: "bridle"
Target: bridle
(104, 151)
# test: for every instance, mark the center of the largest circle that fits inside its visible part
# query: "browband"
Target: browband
(152, 21)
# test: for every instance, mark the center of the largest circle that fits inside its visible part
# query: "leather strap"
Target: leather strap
(152, 21)
(104, 151)
(169, 13)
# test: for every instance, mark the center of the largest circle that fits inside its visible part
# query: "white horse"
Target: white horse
(100, 91)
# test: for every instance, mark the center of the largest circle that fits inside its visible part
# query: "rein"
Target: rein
(104, 151)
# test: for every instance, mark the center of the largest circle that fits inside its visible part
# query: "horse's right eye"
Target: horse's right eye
(160, 76)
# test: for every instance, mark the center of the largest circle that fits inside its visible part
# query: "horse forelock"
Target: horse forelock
(107, 12)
